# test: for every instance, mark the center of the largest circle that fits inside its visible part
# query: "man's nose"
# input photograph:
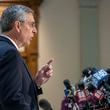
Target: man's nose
(35, 30)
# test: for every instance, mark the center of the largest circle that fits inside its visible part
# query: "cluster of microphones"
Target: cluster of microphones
(92, 92)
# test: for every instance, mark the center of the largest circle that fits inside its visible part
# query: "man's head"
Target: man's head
(18, 22)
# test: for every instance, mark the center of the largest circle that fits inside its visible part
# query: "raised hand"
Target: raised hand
(44, 73)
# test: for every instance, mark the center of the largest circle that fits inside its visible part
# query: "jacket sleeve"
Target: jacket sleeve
(11, 96)
(39, 90)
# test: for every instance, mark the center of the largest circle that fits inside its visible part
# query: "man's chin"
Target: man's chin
(27, 43)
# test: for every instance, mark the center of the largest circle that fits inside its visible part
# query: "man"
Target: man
(18, 90)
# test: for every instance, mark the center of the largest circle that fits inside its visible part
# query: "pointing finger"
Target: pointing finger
(50, 61)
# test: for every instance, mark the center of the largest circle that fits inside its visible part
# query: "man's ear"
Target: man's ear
(17, 26)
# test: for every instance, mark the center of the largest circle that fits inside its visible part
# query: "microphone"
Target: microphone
(67, 83)
(44, 104)
(88, 71)
(99, 77)
(69, 91)
(69, 103)
(87, 75)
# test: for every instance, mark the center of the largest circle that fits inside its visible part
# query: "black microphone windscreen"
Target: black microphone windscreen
(67, 83)
(43, 103)
(88, 71)
(91, 88)
(108, 70)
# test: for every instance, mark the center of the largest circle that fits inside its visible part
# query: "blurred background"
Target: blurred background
(75, 33)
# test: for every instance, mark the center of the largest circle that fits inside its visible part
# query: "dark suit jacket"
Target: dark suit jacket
(17, 89)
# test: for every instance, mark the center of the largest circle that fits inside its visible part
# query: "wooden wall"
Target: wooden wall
(29, 53)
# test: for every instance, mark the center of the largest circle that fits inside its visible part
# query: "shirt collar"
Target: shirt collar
(11, 41)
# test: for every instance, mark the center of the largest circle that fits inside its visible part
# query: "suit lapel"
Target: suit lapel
(29, 75)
